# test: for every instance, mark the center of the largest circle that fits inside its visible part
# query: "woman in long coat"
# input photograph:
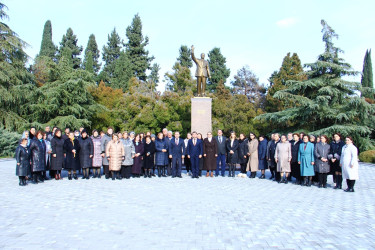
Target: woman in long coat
(97, 158)
(209, 154)
(115, 153)
(161, 156)
(38, 157)
(148, 159)
(295, 168)
(48, 158)
(253, 163)
(127, 163)
(86, 153)
(139, 150)
(71, 149)
(57, 159)
(243, 158)
(283, 156)
(334, 156)
(306, 160)
(349, 163)
(23, 162)
(321, 153)
(262, 155)
(232, 149)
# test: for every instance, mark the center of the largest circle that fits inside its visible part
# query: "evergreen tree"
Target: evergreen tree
(291, 69)
(66, 102)
(91, 59)
(367, 77)
(88, 63)
(122, 72)
(218, 69)
(16, 83)
(111, 52)
(325, 103)
(154, 75)
(184, 58)
(70, 41)
(180, 80)
(136, 49)
(47, 48)
(247, 83)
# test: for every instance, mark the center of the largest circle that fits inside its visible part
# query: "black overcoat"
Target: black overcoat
(87, 149)
(23, 158)
(38, 155)
(72, 160)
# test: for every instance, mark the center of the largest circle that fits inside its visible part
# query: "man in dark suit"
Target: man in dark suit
(169, 139)
(176, 153)
(195, 152)
(221, 153)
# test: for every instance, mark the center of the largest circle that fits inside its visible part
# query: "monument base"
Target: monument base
(201, 115)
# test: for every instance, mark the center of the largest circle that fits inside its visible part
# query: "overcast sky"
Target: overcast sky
(254, 33)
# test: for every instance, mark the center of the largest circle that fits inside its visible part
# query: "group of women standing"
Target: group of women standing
(124, 155)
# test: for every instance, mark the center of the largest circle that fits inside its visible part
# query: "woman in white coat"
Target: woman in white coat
(349, 163)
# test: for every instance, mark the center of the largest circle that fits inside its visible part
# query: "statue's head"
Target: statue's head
(202, 56)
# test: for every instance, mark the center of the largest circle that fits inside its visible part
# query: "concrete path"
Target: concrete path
(166, 213)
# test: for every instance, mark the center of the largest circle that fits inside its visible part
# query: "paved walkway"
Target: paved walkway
(208, 213)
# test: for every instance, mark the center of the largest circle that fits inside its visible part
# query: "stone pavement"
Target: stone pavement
(204, 213)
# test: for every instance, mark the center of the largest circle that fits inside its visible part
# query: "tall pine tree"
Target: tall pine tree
(91, 59)
(291, 69)
(218, 69)
(367, 77)
(111, 52)
(47, 48)
(325, 103)
(70, 41)
(184, 58)
(136, 49)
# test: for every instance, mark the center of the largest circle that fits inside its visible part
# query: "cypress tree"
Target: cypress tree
(367, 76)
(136, 49)
(111, 52)
(70, 42)
(218, 69)
(325, 103)
(184, 58)
(91, 59)
(47, 48)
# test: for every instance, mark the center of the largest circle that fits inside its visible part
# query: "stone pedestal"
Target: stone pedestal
(201, 115)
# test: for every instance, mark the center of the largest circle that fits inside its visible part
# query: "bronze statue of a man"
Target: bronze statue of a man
(202, 72)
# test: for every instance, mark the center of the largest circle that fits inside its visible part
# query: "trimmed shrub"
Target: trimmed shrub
(8, 142)
(367, 156)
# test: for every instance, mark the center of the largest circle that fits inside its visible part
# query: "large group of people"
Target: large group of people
(307, 158)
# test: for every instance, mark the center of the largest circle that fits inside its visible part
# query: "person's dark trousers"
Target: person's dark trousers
(195, 165)
(272, 170)
(126, 171)
(277, 176)
(243, 168)
(187, 164)
(220, 159)
(176, 166)
(169, 167)
(122, 171)
(106, 171)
